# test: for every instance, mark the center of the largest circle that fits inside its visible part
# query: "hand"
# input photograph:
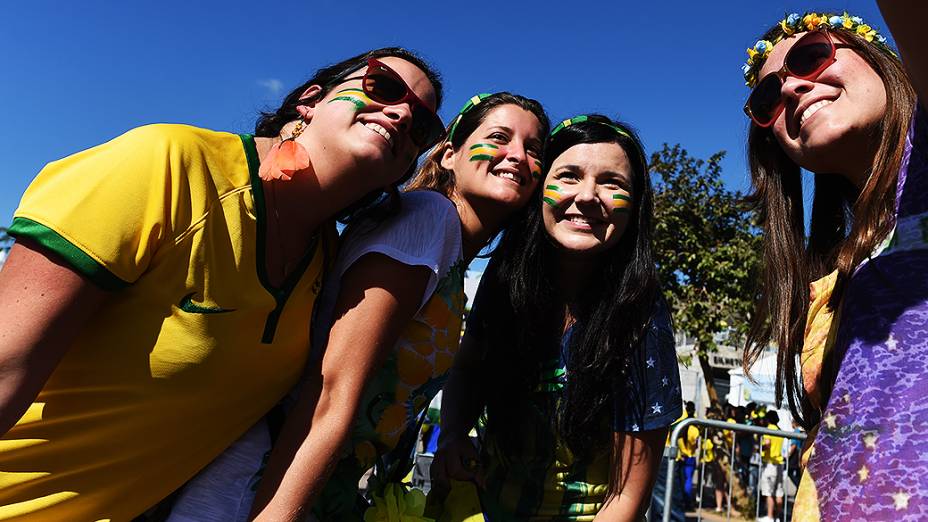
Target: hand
(456, 459)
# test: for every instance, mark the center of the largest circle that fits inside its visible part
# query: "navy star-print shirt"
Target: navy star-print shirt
(647, 393)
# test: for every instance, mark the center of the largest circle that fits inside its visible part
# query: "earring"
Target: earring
(285, 158)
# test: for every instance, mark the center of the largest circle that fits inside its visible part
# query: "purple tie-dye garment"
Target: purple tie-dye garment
(871, 453)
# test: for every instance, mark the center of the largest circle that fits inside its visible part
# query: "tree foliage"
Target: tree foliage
(707, 249)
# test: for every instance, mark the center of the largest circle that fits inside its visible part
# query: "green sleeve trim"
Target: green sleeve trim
(72, 255)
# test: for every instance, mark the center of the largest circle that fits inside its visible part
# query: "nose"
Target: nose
(400, 115)
(515, 153)
(793, 88)
(586, 193)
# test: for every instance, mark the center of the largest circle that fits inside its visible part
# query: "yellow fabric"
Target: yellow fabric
(149, 393)
(772, 447)
(688, 443)
(708, 451)
(818, 340)
(819, 336)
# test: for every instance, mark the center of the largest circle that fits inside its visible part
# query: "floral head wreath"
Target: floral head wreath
(794, 23)
(471, 103)
(621, 131)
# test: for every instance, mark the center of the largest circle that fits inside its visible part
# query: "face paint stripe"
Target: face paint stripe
(550, 201)
(536, 172)
(622, 197)
(553, 195)
(621, 203)
(482, 157)
(487, 145)
(356, 96)
(553, 187)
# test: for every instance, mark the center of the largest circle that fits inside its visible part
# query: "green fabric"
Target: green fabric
(72, 255)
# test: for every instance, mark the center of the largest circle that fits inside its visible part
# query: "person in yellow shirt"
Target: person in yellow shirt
(158, 297)
(688, 446)
(771, 479)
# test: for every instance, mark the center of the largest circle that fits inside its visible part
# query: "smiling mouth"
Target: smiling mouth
(812, 109)
(511, 176)
(582, 221)
(380, 131)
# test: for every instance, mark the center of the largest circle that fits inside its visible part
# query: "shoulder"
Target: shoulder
(427, 203)
(177, 139)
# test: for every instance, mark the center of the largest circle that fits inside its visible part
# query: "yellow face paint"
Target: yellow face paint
(536, 169)
(483, 152)
(356, 96)
(621, 203)
(552, 195)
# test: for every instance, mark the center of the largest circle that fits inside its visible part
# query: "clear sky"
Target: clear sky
(75, 74)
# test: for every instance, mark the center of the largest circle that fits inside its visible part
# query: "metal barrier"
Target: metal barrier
(720, 425)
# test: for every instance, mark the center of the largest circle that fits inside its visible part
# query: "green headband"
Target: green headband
(618, 130)
(471, 103)
(582, 118)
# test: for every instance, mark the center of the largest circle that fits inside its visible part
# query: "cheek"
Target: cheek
(483, 152)
(535, 168)
(356, 97)
(552, 196)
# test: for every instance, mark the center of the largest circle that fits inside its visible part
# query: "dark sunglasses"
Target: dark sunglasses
(383, 85)
(805, 60)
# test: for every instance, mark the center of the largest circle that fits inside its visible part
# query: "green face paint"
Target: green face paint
(483, 152)
(621, 203)
(536, 169)
(552, 195)
(355, 96)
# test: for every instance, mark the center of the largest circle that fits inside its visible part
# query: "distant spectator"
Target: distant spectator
(771, 479)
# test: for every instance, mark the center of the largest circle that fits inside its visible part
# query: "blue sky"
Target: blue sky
(76, 74)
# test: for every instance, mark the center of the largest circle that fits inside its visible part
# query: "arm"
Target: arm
(904, 19)
(635, 458)
(462, 402)
(378, 298)
(44, 304)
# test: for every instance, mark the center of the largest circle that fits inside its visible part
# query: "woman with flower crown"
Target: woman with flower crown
(569, 347)
(157, 297)
(846, 306)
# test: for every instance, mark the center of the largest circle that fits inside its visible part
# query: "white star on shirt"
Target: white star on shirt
(634, 427)
(650, 362)
(891, 343)
(901, 500)
(665, 381)
(656, 408)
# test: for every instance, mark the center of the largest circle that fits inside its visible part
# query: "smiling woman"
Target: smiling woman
(568, 345)
(848, 304)
(387, 327)
(152, 272)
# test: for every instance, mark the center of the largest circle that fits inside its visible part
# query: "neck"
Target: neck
(327, 185)
(478, 226)
(574, 273)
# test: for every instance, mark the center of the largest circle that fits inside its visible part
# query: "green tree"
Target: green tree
(707, 251)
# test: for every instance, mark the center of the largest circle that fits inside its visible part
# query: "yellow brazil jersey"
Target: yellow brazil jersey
(772, 452)
(191, 348)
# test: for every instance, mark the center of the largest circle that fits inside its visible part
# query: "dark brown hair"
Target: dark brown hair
(846, 226)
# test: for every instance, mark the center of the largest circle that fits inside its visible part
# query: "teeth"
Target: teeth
(509, 175)
(812, 109)
(579, 220)
(380, 130)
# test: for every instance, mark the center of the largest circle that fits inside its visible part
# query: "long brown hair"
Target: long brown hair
(432, 176)
(845, 228)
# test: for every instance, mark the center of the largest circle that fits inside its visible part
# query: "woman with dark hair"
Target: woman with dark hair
(379, 357)
(847, 304)
(158, 293)
(569, 345)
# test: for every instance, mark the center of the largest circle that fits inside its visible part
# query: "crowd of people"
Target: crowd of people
(188, 338)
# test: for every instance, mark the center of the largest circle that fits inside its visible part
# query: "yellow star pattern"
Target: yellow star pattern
(901, 499)
(870, 440)
(863, 473)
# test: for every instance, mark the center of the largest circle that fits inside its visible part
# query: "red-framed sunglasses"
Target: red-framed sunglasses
(383, 85)
(806, 59)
